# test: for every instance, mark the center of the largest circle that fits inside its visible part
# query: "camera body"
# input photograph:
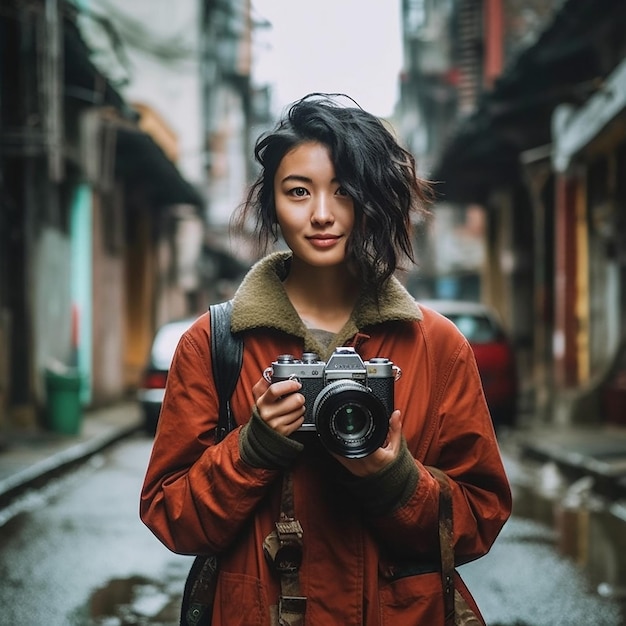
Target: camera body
(348, 401)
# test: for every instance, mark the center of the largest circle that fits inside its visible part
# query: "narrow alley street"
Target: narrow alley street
(74, 553)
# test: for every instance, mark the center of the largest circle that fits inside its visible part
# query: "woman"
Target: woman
(341, 192)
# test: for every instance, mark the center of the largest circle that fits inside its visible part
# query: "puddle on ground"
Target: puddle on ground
(134, 601)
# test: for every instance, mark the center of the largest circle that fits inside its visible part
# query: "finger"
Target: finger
(395, 421)
(259, 388)
(288, 423)
(276, 390)
(291, 403)
(283, 388)
(272, 406)
(395, 424)
(395, 429)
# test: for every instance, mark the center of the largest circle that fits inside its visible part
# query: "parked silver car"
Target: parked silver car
(152, 386)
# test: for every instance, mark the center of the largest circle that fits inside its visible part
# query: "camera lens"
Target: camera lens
(350, 420)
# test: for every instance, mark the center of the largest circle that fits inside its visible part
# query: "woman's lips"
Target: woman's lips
(324, 241)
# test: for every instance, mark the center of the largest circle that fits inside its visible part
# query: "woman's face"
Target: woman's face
(315, 214)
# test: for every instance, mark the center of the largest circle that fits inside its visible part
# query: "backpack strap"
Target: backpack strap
(226, 357)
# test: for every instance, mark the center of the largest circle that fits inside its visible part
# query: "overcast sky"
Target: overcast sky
(348, 46)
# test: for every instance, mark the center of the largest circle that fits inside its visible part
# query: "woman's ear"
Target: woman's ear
(276, 231)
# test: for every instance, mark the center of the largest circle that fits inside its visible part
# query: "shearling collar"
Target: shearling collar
(261, 302)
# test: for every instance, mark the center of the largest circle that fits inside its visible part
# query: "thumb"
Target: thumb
(395, 429)
(259, 388)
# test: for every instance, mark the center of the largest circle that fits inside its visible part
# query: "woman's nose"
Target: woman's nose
(322, 210)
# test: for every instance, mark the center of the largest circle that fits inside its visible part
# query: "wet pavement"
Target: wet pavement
(30, 457)
(78, 542)
(524, 581)
(596, 451)
(571, 481)
(75, 553)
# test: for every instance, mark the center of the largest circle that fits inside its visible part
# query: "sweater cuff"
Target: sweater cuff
(262, 447)
(390, 488)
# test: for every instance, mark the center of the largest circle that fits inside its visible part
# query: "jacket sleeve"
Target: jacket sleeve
(197, 494)
(464, 446)
(466, 450)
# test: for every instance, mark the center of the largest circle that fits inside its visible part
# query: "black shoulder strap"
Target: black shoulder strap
(226, 356)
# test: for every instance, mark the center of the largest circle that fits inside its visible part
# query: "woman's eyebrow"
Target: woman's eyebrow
(303, 179)
(297, 177)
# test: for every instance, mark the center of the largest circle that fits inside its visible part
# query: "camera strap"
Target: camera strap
(283, 550)
(456, 609)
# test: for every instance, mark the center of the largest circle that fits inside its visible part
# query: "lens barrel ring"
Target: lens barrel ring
(350, 419)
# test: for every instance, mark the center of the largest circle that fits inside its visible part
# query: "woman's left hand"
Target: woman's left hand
(379, 458)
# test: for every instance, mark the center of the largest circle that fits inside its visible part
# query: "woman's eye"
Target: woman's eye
(298, 192)
(342, 192)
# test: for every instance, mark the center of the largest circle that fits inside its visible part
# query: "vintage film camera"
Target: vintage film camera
(348, 401)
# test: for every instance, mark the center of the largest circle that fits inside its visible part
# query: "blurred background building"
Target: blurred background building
(518, 110)
(124, 135)
(127, 130)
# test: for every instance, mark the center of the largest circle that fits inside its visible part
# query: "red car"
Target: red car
(494, 354)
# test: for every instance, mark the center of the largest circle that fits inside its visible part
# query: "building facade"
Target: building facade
(104, 186)
(533, 134)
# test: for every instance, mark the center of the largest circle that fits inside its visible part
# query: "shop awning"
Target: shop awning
(138, 157)
(141, 159)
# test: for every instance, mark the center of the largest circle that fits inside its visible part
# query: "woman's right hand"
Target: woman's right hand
(279, 404)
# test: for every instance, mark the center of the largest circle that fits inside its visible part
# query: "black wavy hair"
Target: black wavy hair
(378, 174)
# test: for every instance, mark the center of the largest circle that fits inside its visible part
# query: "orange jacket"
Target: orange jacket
(202, 498)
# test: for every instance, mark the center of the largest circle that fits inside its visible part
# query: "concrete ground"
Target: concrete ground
(570, 478)
(28, 458)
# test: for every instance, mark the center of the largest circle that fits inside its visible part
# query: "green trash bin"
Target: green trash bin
(64, 410)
